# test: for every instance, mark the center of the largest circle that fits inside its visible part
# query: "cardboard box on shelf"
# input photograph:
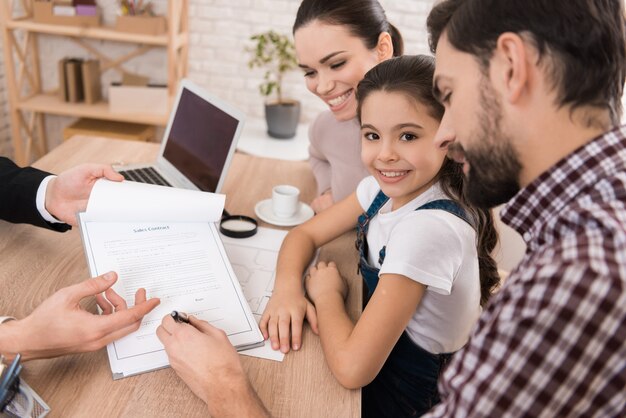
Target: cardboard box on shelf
(138, 99)
(43, 13)
(145, 25)
(110, 129)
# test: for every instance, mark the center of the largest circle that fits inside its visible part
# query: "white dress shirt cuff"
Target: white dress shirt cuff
(41, 201)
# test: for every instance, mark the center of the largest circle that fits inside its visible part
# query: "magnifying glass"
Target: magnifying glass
(238, 226)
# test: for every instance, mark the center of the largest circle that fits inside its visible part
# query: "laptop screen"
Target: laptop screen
(199, 140)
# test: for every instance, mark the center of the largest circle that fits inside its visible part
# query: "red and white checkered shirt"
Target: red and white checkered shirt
(552, 342)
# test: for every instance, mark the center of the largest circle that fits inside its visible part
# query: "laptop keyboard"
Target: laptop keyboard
(145, 175)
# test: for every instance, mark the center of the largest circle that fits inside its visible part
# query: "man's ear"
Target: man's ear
(510, 66)
(384, 48)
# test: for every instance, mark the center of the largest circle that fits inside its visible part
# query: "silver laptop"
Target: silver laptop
(197, 146)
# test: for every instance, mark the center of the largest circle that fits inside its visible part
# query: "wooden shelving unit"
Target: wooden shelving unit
(50, 103)
(28, 103)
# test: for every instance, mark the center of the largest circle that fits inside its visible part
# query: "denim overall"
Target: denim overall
(406, 386)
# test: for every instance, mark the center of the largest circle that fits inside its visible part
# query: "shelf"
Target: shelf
(29, 103)
(48, 103)
(102, 32)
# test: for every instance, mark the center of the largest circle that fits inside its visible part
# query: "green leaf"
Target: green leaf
(275, 52)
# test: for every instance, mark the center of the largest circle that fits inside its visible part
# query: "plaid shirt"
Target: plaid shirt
(552, 342)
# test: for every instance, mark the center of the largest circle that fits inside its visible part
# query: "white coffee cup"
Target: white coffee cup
(285, 200)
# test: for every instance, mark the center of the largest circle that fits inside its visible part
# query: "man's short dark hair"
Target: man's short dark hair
(584, 41)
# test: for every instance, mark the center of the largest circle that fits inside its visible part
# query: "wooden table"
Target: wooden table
(36, 262)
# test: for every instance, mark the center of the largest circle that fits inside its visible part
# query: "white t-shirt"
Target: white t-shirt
(437, 249)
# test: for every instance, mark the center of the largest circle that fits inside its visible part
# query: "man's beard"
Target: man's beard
(494, 166)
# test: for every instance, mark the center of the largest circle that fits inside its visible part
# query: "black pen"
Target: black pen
(180, 317)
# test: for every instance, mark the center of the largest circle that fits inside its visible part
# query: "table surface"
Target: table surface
(37, 262)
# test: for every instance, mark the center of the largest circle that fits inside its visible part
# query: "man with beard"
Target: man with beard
(532, 94)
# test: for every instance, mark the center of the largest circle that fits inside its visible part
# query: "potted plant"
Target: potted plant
(276, 53)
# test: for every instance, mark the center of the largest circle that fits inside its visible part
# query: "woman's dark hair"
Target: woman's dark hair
(412, 75)
(365, 19)
(583, 42)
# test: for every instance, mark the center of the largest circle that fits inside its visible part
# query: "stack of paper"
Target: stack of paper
(164, 240)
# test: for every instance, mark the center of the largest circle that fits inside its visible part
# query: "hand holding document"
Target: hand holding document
(164, 240)
(138, 202)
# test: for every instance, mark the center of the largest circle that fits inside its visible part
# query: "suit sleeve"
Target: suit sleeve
(18, 191)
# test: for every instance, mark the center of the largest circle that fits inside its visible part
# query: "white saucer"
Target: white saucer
(264, 211)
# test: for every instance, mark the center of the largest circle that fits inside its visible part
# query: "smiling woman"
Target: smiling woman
(336, 44)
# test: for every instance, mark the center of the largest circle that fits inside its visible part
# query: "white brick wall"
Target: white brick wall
(219, 33)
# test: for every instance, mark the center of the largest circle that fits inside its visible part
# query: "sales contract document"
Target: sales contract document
(164, 240)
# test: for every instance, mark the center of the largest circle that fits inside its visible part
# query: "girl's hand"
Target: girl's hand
(325, 278)
(283, 318)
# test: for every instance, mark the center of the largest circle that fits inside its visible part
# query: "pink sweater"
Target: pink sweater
(335, 155)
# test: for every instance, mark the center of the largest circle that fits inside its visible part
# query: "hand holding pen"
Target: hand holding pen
(180, 317)
(205, 359)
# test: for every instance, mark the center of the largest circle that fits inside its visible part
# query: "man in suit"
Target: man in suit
(24, 191)
(59, 325)
(18, 190)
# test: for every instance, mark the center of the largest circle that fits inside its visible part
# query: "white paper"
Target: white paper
(254, 262)
(129, 201)
(182, 263)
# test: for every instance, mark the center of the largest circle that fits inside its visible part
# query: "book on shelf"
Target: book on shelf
(86, 10)
(164, 240)
(63, 80)
(79, 80)
(63, 10)
(74, 80)
(86, 7)
(92, 88)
